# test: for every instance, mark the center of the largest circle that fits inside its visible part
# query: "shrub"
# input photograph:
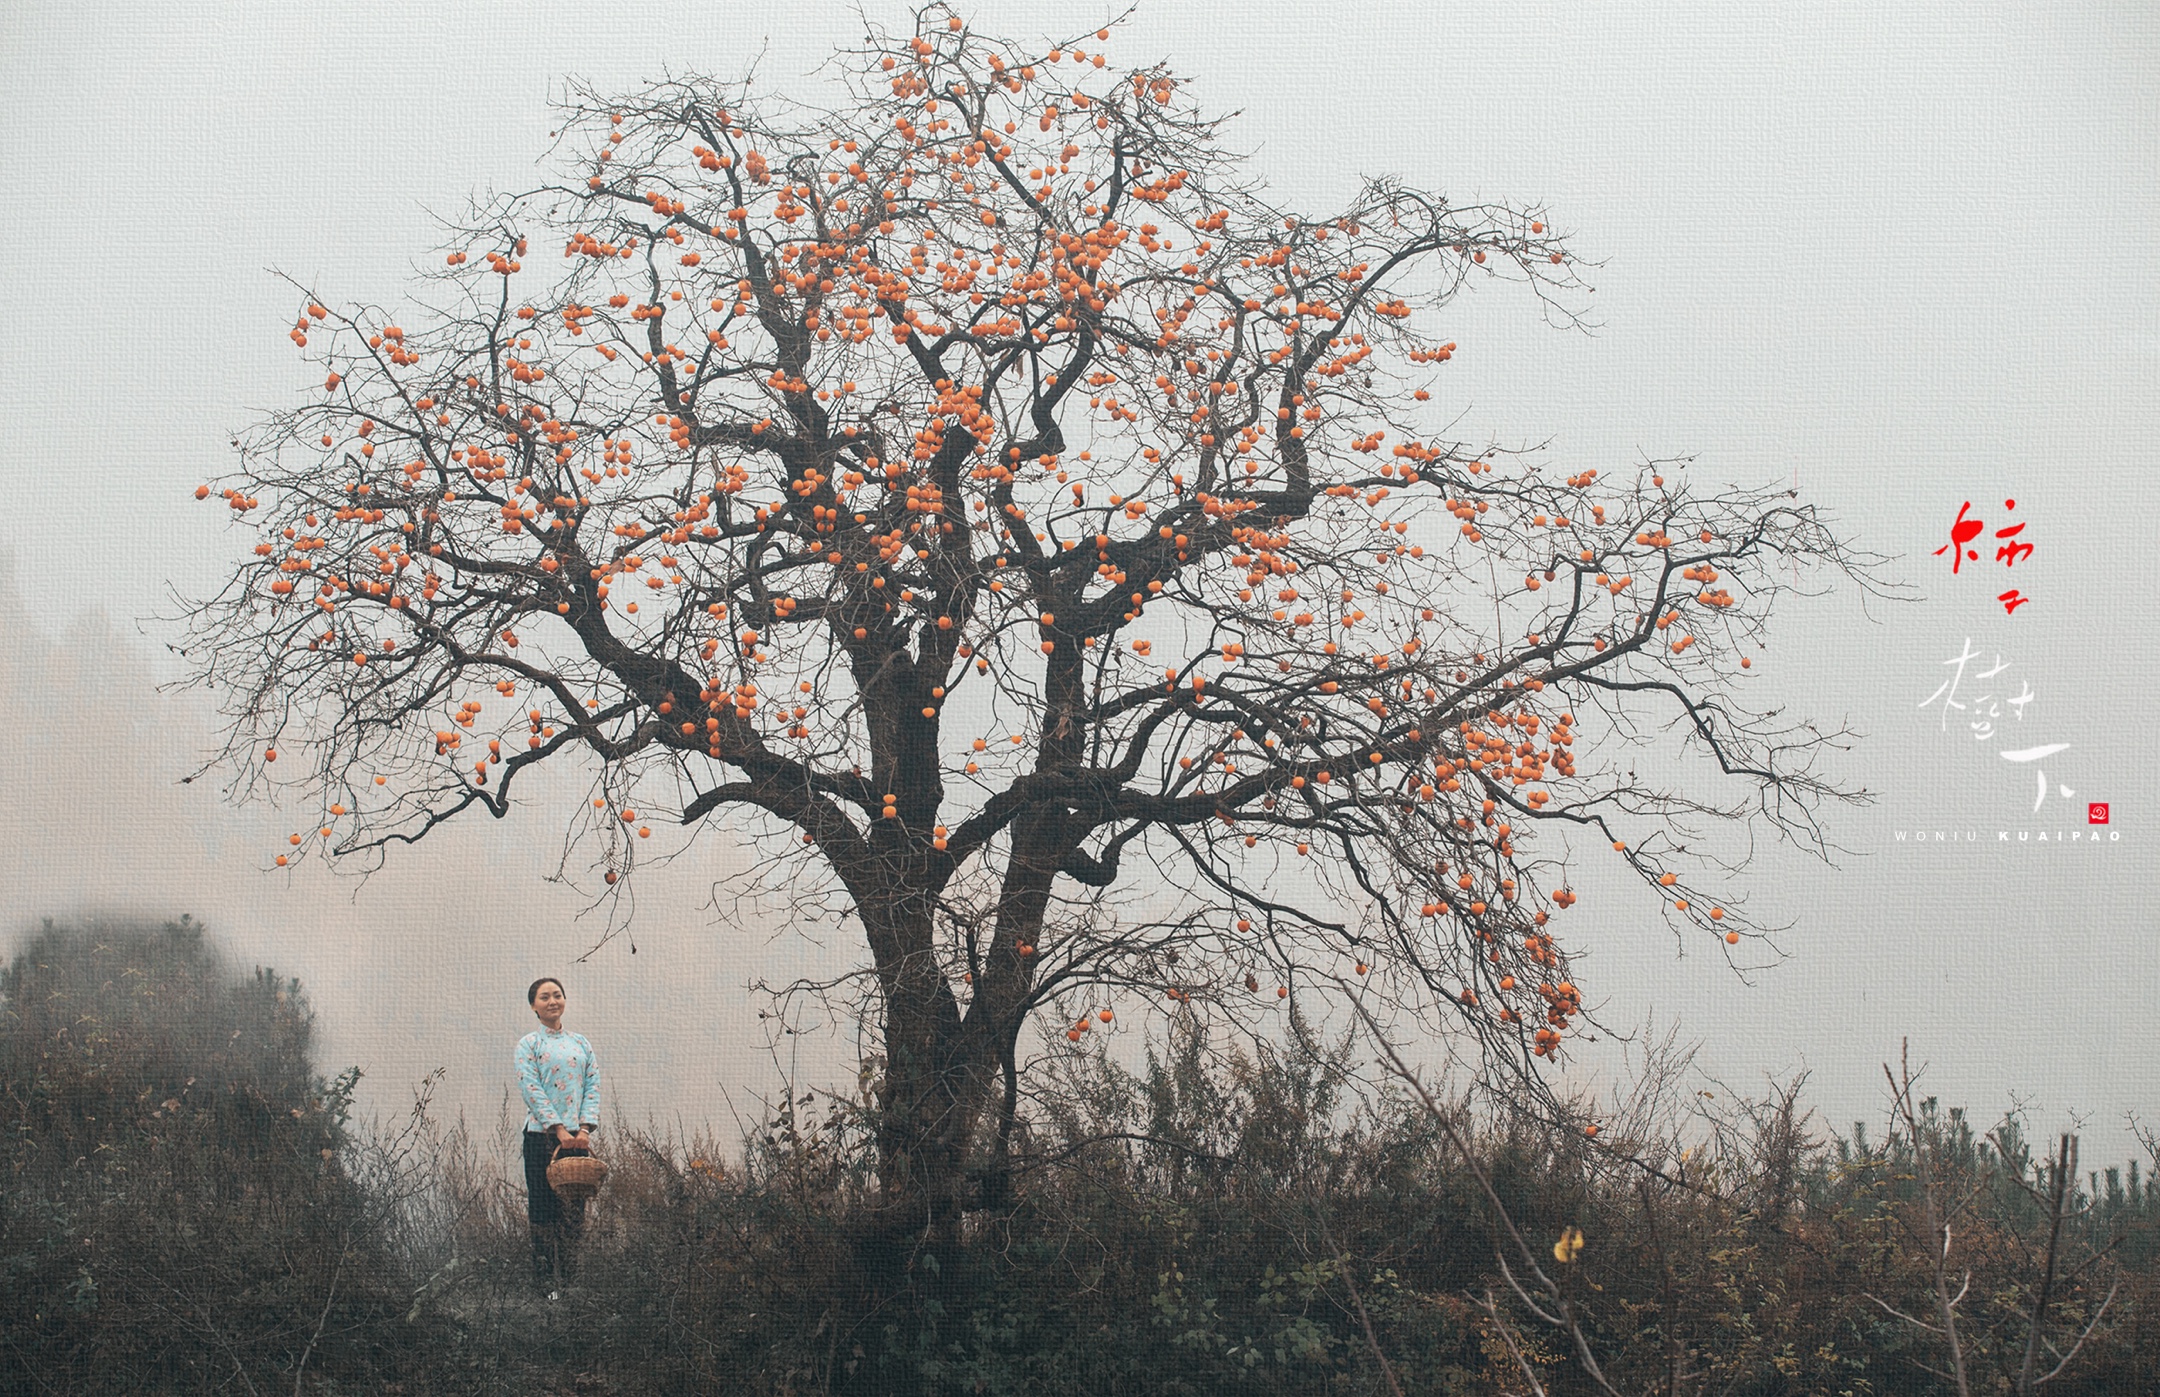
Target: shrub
(189, 1208)
(176, 1215)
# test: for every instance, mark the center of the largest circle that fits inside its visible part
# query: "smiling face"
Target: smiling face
(548, 1002)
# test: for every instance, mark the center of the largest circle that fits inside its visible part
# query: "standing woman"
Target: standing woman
(560, 1080)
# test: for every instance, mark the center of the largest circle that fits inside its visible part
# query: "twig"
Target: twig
(337, 1272)
(2065, 1170)
(1563, 1315)
(2091, 1325)
(1056, 1156)
(1938, 1226)
(1507, 1336)
(1675, 1350)
(1900, 1314)
(1372, 1341)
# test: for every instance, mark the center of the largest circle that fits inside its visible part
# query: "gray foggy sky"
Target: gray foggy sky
(1898, 256)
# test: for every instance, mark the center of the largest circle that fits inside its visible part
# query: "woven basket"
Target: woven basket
(575, 1176)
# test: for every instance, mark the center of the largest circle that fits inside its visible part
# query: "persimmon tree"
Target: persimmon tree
(983, 490)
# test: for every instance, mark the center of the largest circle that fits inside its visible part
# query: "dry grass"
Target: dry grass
(1208, 1225)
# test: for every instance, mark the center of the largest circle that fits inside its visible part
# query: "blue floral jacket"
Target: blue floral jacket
(559, 1078)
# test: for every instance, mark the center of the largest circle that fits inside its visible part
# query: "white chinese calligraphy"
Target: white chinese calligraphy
(1984, 710)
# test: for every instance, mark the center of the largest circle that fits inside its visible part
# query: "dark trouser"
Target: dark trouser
(556, 1225)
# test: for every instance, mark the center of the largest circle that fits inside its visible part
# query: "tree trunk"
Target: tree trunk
(938, 1080)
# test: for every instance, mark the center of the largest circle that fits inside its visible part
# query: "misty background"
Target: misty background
(1894, 257)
